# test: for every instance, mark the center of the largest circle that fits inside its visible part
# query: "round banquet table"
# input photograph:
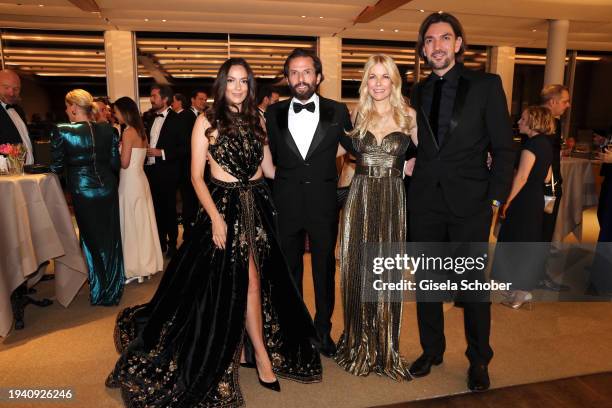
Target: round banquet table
(36, 228)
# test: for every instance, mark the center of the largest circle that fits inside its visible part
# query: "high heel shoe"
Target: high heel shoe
(274, 386)
(519, 301)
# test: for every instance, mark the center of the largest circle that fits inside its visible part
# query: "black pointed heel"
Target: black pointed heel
(274, 386)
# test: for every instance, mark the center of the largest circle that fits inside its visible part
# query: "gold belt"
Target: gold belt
(378, 171)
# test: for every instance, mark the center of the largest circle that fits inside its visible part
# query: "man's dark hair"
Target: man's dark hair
(263, 91)
(196, 91)
(164, 91)
(442, 18)
(303, 52)
(181, 97)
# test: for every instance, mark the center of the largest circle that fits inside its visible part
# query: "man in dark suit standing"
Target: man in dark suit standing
(13, 128)
(304, 133)
(462, 114)
(165, 153)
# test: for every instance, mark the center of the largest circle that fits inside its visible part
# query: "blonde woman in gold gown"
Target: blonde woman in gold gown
(375, 214)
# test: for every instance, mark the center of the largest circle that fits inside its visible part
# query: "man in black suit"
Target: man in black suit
(165, 153)
(188, 196)
(13, 128)
(304, 133)
(462, 114)
(601, 268)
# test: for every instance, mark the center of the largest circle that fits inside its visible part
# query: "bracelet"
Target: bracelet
(495, 203)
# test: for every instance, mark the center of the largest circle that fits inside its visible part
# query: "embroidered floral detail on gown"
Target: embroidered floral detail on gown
(182, 349)
(374, 213)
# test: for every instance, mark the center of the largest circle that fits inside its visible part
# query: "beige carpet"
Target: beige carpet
(73, 348)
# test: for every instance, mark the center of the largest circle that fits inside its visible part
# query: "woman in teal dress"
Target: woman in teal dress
(89, 152)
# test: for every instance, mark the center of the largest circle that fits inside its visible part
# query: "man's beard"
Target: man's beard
(444, 63)
(306, 94)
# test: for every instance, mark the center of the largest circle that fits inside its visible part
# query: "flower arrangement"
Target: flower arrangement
(15, 155)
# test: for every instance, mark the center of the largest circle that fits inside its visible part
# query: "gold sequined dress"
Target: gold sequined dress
(182, 349)
(374, 213)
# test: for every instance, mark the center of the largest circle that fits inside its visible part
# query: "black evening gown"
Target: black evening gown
(89, 152)
(182, 349)
(522, 264)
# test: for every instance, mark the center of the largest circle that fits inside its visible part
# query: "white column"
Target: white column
(501, 61)
(329, 50)
(556, 49)
(121, 66)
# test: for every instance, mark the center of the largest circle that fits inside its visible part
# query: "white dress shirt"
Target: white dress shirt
(195, 111)
(23, 132)
(155, 131)
(303, 125)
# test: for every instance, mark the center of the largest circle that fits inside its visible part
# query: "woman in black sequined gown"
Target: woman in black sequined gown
(182, 349)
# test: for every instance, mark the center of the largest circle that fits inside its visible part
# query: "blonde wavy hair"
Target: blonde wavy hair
(83, 100)
(540, 119)
(366, 114)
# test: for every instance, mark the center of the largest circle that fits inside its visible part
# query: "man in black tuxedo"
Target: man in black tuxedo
(304, 133)
(453, 197)
(13, 128)
(165, 154)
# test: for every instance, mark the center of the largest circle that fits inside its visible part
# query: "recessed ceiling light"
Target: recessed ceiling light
(321, 17)
(41, 5)
(146, 19)
(303, 16)
(440, 12)
(396, 30)
(382, 29)
(421, 10)
(534, 30)
(163, 21)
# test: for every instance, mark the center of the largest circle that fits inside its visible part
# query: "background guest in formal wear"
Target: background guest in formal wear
(556, 98)
(103, 111)
(89, 152)
(523, 211)
(142, 255)
(165, 154)
(13, 128)
(189, 199)
(304, 134)
(374, 213)
(179, 102)
(198, 101)
(462, 114)
(601, 269)
(266, 96)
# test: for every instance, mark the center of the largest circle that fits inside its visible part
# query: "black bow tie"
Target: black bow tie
(297, 107)
(8, 106)
(159, 115)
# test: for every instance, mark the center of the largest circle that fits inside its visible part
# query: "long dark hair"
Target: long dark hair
(221, 118)
(131, 115)
(442, 18)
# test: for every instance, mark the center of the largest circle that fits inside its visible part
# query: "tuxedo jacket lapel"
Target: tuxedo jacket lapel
(460, 97)
(283, 126)
(326, 114)
(423, 116)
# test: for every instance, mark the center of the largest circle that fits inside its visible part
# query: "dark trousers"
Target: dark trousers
(190, 205)
(438, 224)
(322, 236)
(601, 269)
(163, 192)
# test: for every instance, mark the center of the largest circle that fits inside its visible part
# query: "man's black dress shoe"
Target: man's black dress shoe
(171, 251)
(548, 284)
(326, 346)
(422, 366)
(478, 378)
